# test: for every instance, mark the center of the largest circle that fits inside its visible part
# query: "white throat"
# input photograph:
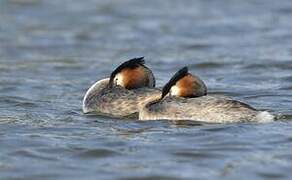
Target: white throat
(174, 91)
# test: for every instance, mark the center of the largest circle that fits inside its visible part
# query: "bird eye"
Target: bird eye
(116, 80)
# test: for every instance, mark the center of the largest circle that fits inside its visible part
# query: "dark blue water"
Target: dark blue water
(52, 51)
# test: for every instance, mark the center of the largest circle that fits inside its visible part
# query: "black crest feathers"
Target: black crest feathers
(132, 63)
(177, 76)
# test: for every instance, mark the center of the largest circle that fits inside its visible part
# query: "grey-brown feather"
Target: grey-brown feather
(118, 101)
(205, 108)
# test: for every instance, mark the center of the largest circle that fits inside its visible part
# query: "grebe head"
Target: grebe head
(184, 84)
(132, 74)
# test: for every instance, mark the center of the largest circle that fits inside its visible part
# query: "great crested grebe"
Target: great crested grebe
(183, 103)
(121, 95)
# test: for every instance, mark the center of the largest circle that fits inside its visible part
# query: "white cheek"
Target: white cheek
(174, 91)
(120, 80)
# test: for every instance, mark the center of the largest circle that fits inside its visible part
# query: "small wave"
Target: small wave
(97, 153)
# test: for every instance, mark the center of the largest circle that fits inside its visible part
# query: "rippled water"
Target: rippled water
(52, 51)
